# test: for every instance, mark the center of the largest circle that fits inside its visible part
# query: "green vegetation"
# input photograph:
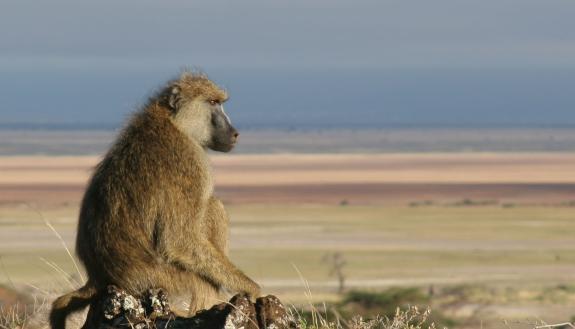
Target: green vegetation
(392, 308)
(384, 303)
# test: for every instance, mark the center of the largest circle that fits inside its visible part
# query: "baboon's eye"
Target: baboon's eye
(213, 102)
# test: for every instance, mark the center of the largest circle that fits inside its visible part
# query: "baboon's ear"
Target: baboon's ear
(174, 97)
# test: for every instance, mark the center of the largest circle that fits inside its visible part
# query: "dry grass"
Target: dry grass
(12, 318)
(410, 318)
(25, 316)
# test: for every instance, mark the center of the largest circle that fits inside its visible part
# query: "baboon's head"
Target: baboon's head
(197, 107)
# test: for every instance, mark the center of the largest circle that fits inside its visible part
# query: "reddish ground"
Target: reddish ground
(361, 179)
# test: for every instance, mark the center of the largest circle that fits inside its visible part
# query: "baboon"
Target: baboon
(148, 218)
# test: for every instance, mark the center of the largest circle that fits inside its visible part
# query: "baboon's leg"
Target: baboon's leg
(204, 259)
(207, 261)
(188, 292)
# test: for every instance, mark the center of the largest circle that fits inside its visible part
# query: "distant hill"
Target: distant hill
(67, 141)
(324, 99)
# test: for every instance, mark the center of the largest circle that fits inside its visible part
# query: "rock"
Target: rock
(272, 314)
(117, 309)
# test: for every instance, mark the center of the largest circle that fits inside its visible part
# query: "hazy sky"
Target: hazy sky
(288, 63)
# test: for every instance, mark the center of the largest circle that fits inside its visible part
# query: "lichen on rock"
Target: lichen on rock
(118, 309)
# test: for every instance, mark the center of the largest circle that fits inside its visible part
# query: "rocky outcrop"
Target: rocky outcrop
(117, 309)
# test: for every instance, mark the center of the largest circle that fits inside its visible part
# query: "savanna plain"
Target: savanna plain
(484, 237)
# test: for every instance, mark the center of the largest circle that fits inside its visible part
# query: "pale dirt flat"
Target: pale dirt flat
(327, 178)
(281, 169)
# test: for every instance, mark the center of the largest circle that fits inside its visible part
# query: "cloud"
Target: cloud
(258, 33)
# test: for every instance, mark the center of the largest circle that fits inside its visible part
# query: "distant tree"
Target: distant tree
(336, 263)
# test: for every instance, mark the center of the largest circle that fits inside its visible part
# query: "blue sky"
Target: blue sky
(295, 63)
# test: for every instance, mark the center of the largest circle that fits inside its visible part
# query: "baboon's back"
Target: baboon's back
(149, 174)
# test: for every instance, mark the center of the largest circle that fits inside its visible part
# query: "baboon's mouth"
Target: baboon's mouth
(232, 145)
(223, 147)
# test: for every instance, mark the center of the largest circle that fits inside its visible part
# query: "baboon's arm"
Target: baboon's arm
(217, 225)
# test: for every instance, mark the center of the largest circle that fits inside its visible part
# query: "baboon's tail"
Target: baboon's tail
(70, 302)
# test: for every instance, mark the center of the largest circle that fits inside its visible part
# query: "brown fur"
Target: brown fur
(148, 218)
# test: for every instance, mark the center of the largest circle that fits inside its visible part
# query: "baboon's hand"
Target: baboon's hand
(253, 291)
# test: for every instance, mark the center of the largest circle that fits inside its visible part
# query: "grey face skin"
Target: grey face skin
(224, 135)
